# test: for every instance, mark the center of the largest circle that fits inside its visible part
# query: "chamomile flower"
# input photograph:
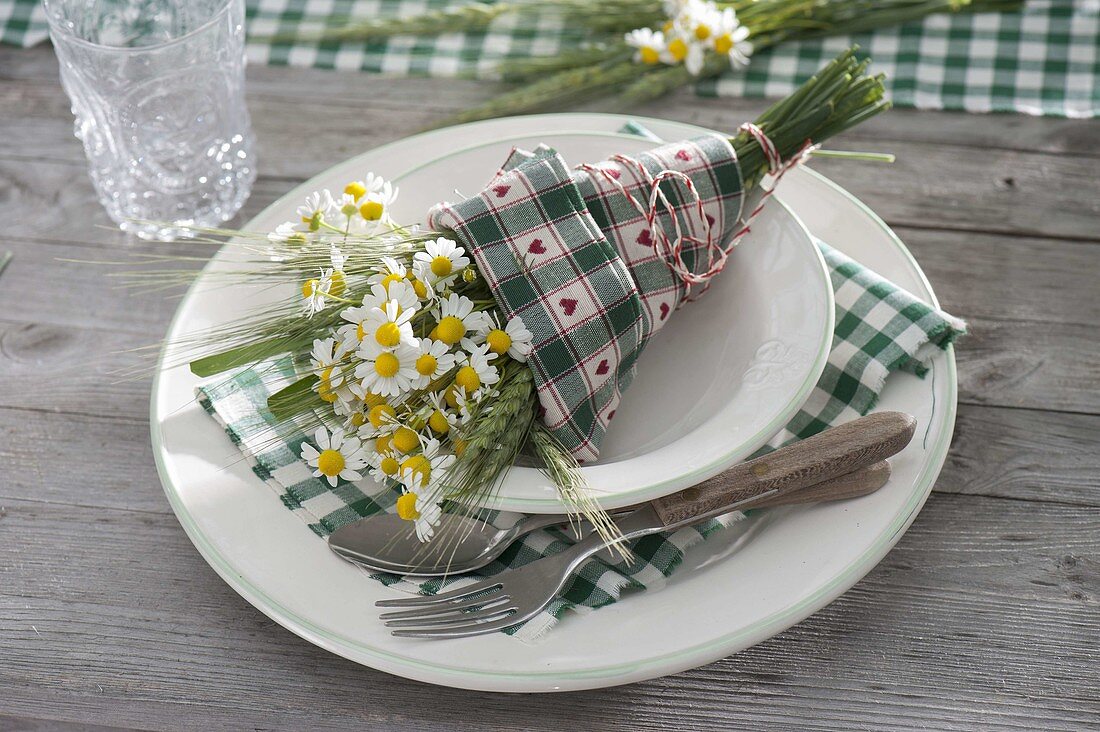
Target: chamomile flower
(387, 372)
(288, 232)
(400, 291)
(455, 317)
(426, 468)
(513, 338)
(650, 45)
(385, 465)
(422, 510)
(325, 359)
(441, 262)
(440, 419)
(315, 291)
(433, 360)
(387, 328)
(474, 369)
(392, 271)
(335, 456)
(375, 205)
(318, 208)
(359, 188)
(731, 39)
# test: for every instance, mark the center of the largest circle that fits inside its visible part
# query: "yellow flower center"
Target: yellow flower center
(442, 266)
(405, 440)
(702, 31)
(308, 287)
(381, 414)
(667, 27)
(406, 507)
(723, 43)
(468, 379)
(358, 419)
(373, 400)
(339, 284)
(419, 466)
(388, 335)
(389, 465)
(330, 463)
(649, 55)
(420, 289)
(678, 49)
(450, 330)
(499, 341)
(438, 422)
(386, 365)
(459, 446)
(382, 443)
(426, 365)
(355, 190)
(372, 210)
(390, 279)
(451, 395)
(324, 390)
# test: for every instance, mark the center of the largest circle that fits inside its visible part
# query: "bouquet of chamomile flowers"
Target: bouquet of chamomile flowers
(409, 373)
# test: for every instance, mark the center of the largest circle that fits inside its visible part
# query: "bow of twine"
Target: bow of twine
(671, 248)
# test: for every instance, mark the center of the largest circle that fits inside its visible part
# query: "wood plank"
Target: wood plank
(973, 622)
(1030, 365)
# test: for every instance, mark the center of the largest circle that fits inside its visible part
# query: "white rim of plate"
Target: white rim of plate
(714, 649)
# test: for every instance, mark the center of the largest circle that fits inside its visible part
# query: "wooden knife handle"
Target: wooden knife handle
(827, 455)
(853, 485)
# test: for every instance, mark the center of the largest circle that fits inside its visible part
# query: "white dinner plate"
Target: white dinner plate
(730, 593)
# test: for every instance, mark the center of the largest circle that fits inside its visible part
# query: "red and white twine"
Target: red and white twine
(672, 248)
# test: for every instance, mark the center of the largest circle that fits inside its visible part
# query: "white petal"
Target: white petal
(321, 436)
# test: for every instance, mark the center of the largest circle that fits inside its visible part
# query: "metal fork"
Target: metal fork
(514, 596)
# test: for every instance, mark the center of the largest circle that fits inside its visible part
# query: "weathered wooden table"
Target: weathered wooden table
(985, 616)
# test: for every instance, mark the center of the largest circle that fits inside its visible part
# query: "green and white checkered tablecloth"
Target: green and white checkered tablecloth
(879, 329)
(1045, 60)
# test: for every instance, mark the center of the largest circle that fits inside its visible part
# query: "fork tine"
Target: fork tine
(447, 609)
(443, 597)
(461, 631)
(460, 620)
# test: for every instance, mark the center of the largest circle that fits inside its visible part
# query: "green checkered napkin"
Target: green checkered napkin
(880, 328)
(573, 256)
(1045, 60)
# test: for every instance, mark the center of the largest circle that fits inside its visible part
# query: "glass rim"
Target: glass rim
(54, 25)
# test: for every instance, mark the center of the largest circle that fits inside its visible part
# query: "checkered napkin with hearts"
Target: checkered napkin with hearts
(595, 260)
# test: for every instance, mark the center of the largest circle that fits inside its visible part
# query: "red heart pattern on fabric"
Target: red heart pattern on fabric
(569, 305)
(613, 173)
(611, 415)
(683, 155)
(664, 310)
(602, 368)
(536, 247)
(645, 238)
(501, 190)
